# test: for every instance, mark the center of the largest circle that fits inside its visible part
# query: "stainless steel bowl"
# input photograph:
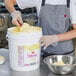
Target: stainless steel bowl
(69, 63)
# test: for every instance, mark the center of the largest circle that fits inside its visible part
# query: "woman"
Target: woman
(54, 19)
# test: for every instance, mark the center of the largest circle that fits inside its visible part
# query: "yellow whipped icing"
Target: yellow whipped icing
(59, 63)
(26, 28)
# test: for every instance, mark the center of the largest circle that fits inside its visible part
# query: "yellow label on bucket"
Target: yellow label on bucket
(28, 55)
(32, 47)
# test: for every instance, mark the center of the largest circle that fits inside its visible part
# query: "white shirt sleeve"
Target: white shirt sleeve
(26, 3)
(73, 11)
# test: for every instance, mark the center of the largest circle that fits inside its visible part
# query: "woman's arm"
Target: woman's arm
(16, 15)
(10, 5)
(71, 34)
(68, 35)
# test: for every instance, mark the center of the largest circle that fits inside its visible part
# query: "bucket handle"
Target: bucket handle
(7, 37)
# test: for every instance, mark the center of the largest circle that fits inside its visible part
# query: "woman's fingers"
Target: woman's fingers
(45, 47)
(41, 40)
(42, 44)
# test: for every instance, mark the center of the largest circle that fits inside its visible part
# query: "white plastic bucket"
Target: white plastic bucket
(24, 50)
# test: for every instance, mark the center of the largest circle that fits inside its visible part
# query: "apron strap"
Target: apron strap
(43, 3)
(68, 3)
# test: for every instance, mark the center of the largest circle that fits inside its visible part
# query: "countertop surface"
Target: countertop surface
(42, 71)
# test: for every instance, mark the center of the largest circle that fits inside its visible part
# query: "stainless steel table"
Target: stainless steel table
(42, 71)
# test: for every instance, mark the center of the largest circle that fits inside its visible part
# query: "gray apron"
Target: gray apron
(54, 19)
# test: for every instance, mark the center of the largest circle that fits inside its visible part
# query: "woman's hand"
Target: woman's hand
(49, 40)
(16, 18)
